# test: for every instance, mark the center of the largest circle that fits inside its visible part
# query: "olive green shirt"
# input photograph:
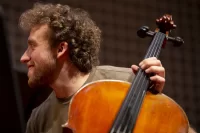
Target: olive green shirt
(53, 112)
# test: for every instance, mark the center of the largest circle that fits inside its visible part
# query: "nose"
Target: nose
(25, 58)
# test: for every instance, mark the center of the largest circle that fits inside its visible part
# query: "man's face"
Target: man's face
(39, 57)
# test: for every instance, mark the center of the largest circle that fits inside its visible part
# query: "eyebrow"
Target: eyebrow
(31, 41)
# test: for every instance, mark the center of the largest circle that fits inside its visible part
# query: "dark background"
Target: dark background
(119, 21)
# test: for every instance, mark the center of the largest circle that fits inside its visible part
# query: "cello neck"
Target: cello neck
(127, 116)
(156, 45)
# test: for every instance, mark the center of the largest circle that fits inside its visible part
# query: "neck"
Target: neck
(68, 82)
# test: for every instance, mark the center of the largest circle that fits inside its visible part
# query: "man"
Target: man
(63, 48)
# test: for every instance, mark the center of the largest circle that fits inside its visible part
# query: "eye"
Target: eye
(32, 45)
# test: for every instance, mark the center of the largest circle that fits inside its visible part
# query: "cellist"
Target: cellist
(62, 53)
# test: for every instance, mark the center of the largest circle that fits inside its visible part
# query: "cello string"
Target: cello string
(142, 93)
(141, 89)
(132, 102)
(129, 99)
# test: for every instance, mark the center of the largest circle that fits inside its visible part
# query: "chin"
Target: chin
(32, 83)
(36, 84)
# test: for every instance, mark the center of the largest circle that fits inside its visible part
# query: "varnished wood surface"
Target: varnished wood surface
(94, 108)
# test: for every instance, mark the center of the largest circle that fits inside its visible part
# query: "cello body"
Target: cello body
(95, 107)
(112, 106)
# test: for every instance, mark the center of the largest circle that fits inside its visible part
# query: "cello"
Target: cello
(114, 106)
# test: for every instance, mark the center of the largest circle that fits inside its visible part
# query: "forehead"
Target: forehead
(39, 32)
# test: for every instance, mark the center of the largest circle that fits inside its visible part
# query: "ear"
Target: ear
(62, 49)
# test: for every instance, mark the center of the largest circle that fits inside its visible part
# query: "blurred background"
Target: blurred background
(119, 21)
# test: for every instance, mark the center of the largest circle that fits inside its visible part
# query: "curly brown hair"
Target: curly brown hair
(72, 25)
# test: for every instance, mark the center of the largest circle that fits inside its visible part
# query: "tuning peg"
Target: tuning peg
(178, 41)
(142, 32)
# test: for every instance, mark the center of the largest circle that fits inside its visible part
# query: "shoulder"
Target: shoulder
(44, 105)
(114, 69)
(112, 72)
(38, 114)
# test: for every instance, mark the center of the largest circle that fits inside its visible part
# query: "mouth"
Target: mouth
(30, 66)
(30, 70)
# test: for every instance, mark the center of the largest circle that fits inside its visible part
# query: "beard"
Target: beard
(43, 73)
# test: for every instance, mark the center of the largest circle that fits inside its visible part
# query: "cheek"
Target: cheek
(45, 58)
(38, 56)
(42, 56)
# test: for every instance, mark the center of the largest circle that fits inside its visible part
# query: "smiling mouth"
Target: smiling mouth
(30, 69)
(30, 66)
